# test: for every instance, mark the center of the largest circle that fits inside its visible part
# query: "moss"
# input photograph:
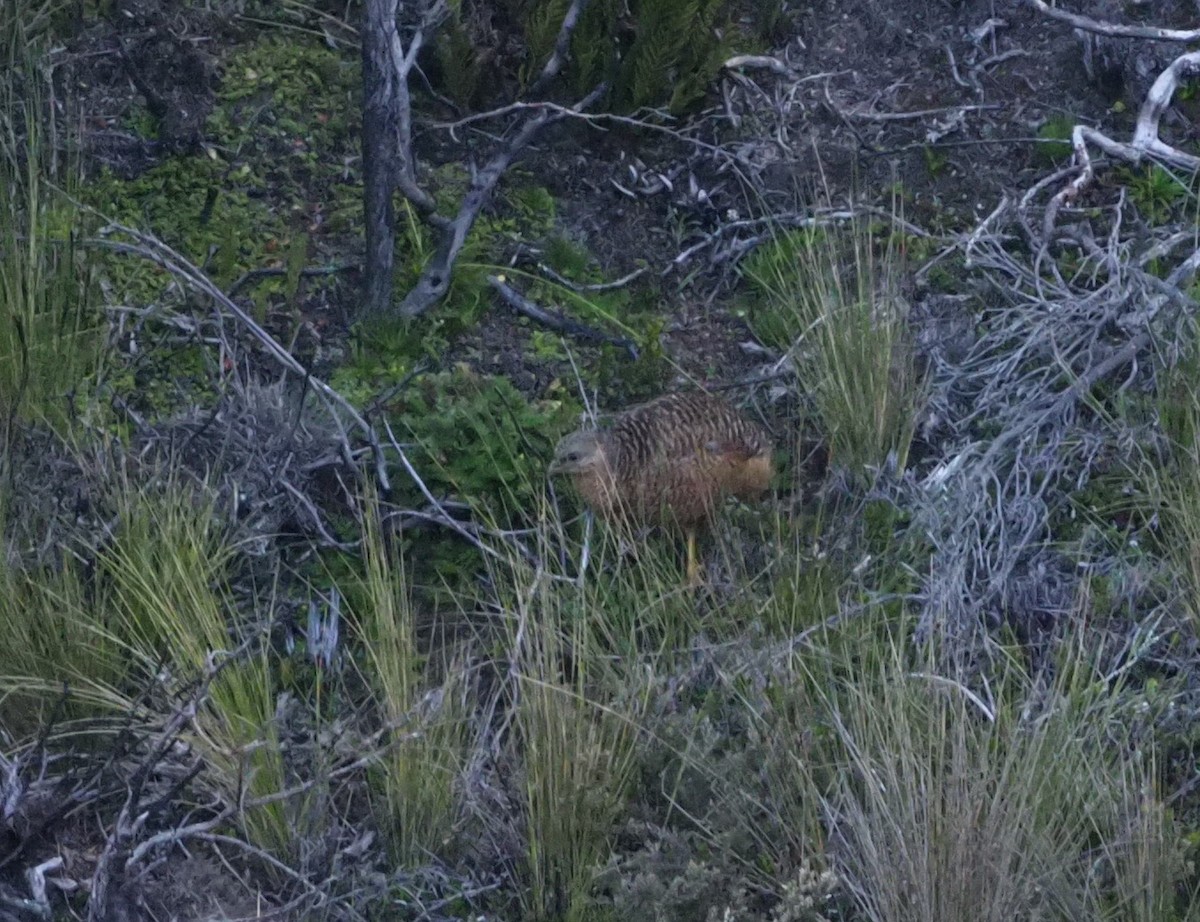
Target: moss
(1055, 139)
(283, 131)
(293, 90)
(197, 206)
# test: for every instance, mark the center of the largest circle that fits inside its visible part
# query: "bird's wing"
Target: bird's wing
(731, 449)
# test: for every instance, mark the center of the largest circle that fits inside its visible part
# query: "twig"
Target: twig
(435, 278)
(255, 274)
(1115, 30)
(152, 248)
(599, 286)
(759, 62)
(556, 320)
(919, 113)
(443, 517)
(112, 868)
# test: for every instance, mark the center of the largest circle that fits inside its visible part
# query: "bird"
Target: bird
(670, 461)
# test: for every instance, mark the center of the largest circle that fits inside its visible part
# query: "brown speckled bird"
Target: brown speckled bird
(670, 461)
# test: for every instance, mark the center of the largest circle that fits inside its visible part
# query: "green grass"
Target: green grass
(413, 782)
(50, 332)
(830, 298)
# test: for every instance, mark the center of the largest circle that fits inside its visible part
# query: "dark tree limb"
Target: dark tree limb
(558, 321)
(435, 279)
(389, 162)
(562, 48)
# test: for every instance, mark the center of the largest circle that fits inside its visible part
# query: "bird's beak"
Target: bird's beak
(554, 469)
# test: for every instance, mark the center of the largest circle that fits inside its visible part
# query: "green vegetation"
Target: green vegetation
(1157, 191)
(50, 328)
(828, 296)
(425, 719)
(532, 717)
(652, 53)
(1055, 138)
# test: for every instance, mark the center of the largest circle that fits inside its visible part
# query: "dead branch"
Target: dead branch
(111, 873)
(562, 47)
(579, 287)
(760, 62)
(435, 278)
(1017, 407)
(772, 224)
(255, 275)
(1145, 143)
(556, 320)
(391, 94)
(1115, 30)
(149, 247)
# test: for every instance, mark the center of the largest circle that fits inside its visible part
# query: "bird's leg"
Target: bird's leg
(694, 577)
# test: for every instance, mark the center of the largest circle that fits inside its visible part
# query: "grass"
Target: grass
(577, 719)
(416, 777)
(50, 336)
(951, 809)
(829, 297)
(169, 599)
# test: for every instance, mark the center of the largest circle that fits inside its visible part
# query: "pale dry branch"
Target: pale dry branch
(1112, 29)
(1144, 145)
(153, 249)
(111, 874)
(1025, 425)
(562, 47)
(760, 62)
(580, 287)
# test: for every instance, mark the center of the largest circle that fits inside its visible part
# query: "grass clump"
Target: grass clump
(169, 601)
(414, 780)
(830, 296)
(576, 718)
(138, 632)
(50, 335)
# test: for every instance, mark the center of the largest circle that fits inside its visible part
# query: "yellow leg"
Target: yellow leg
(694, 578)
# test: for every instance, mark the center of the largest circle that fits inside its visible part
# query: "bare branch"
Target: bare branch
(597, 286)
(557, 321)
(149, 247)
(1144, 145)
(562, 47)
(1115, 30)
(110, 874)
(435, 279)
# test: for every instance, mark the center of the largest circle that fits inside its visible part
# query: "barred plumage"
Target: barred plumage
(669, 461)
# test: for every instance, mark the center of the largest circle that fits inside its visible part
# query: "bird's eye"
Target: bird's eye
(573, 456)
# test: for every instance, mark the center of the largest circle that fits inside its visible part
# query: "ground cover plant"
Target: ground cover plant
(294, 623)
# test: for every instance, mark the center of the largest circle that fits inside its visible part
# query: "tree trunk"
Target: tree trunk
(380, 155)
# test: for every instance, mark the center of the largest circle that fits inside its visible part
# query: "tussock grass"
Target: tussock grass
(1175, 487)
(417, 774)
(830, 297)
(168, 598)
(156, 605)
(947, 813)
(61, 661)
(49, 332)
(576, 736)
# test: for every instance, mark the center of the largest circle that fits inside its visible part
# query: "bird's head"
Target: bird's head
(578, 453)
